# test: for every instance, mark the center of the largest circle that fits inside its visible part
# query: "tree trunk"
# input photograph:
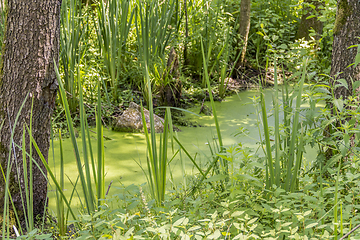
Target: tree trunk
(310, 23)
(244, 21)
(186, 60)
(30, 47)
(346, 33)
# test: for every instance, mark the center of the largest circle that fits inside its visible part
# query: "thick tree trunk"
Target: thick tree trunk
(310, 23)
(244, 21)
(31, 44)
(346, 33)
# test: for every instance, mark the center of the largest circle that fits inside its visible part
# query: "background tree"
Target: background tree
(31, 44)
(186, 60)
(346, 34)
(244, 21)
(306, 23)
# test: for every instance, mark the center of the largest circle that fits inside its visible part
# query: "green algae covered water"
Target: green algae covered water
(125, 153)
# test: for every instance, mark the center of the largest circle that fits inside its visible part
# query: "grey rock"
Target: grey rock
(131, 120)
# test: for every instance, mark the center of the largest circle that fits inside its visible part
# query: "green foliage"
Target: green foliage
(239, 194)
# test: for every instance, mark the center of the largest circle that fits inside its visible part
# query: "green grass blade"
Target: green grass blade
(100, 146)
(189, 156)
(73, 140)
(212, 100)
(61, 220)
(8, 170)
(52, 176)
(277, 131)
(83, 121)
(268, 153)
(294, 133)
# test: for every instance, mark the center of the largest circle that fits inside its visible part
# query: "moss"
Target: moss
(12, 220)
(343, 12)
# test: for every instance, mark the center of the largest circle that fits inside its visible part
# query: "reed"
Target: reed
(154, 34)
(6, 175)
(224, 67)
(114, 20)
(73, 34)
(221, 169)
(157, 158)
(60, 211)
(282, 170)
(207, 80)
(27, 166)
(91, 200)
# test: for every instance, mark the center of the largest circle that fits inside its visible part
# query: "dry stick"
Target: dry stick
(108, 188)
(348, 234)
(202, 105)
(107, 138)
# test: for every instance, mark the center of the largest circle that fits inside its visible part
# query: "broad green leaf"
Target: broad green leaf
(342, 83)
(357, 57)
(311, 225)
(179, 221)
(44, 236)
(194, 228)
(215, 235)
(356, 85)
(339, 103)
(98, 214)
(307, 213)
(294, 230)
(86, 217)
(275, 37)
(252, 221)
(237, 213)
(311, 16)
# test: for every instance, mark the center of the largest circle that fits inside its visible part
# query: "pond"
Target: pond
(125, 154)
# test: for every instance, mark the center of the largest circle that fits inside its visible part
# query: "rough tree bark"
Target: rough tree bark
(346, 33)
(30, 46)
(244, 21)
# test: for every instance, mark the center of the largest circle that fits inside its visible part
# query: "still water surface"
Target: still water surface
(126, 151)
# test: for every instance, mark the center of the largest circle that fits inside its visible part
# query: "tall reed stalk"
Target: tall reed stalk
(6, 176)
(223, 169)
(157, 158)
(114, 21)
(59, 199)
(223, 68)
(224, 162)
(27, 166)
(92, 200)
(154, 32)
(282, 170)
(73, 34)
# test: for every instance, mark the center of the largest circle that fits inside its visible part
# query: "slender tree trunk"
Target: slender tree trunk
(244, 21)
(186, 60)
(310, 23)
(346, 33)
(30, 47)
